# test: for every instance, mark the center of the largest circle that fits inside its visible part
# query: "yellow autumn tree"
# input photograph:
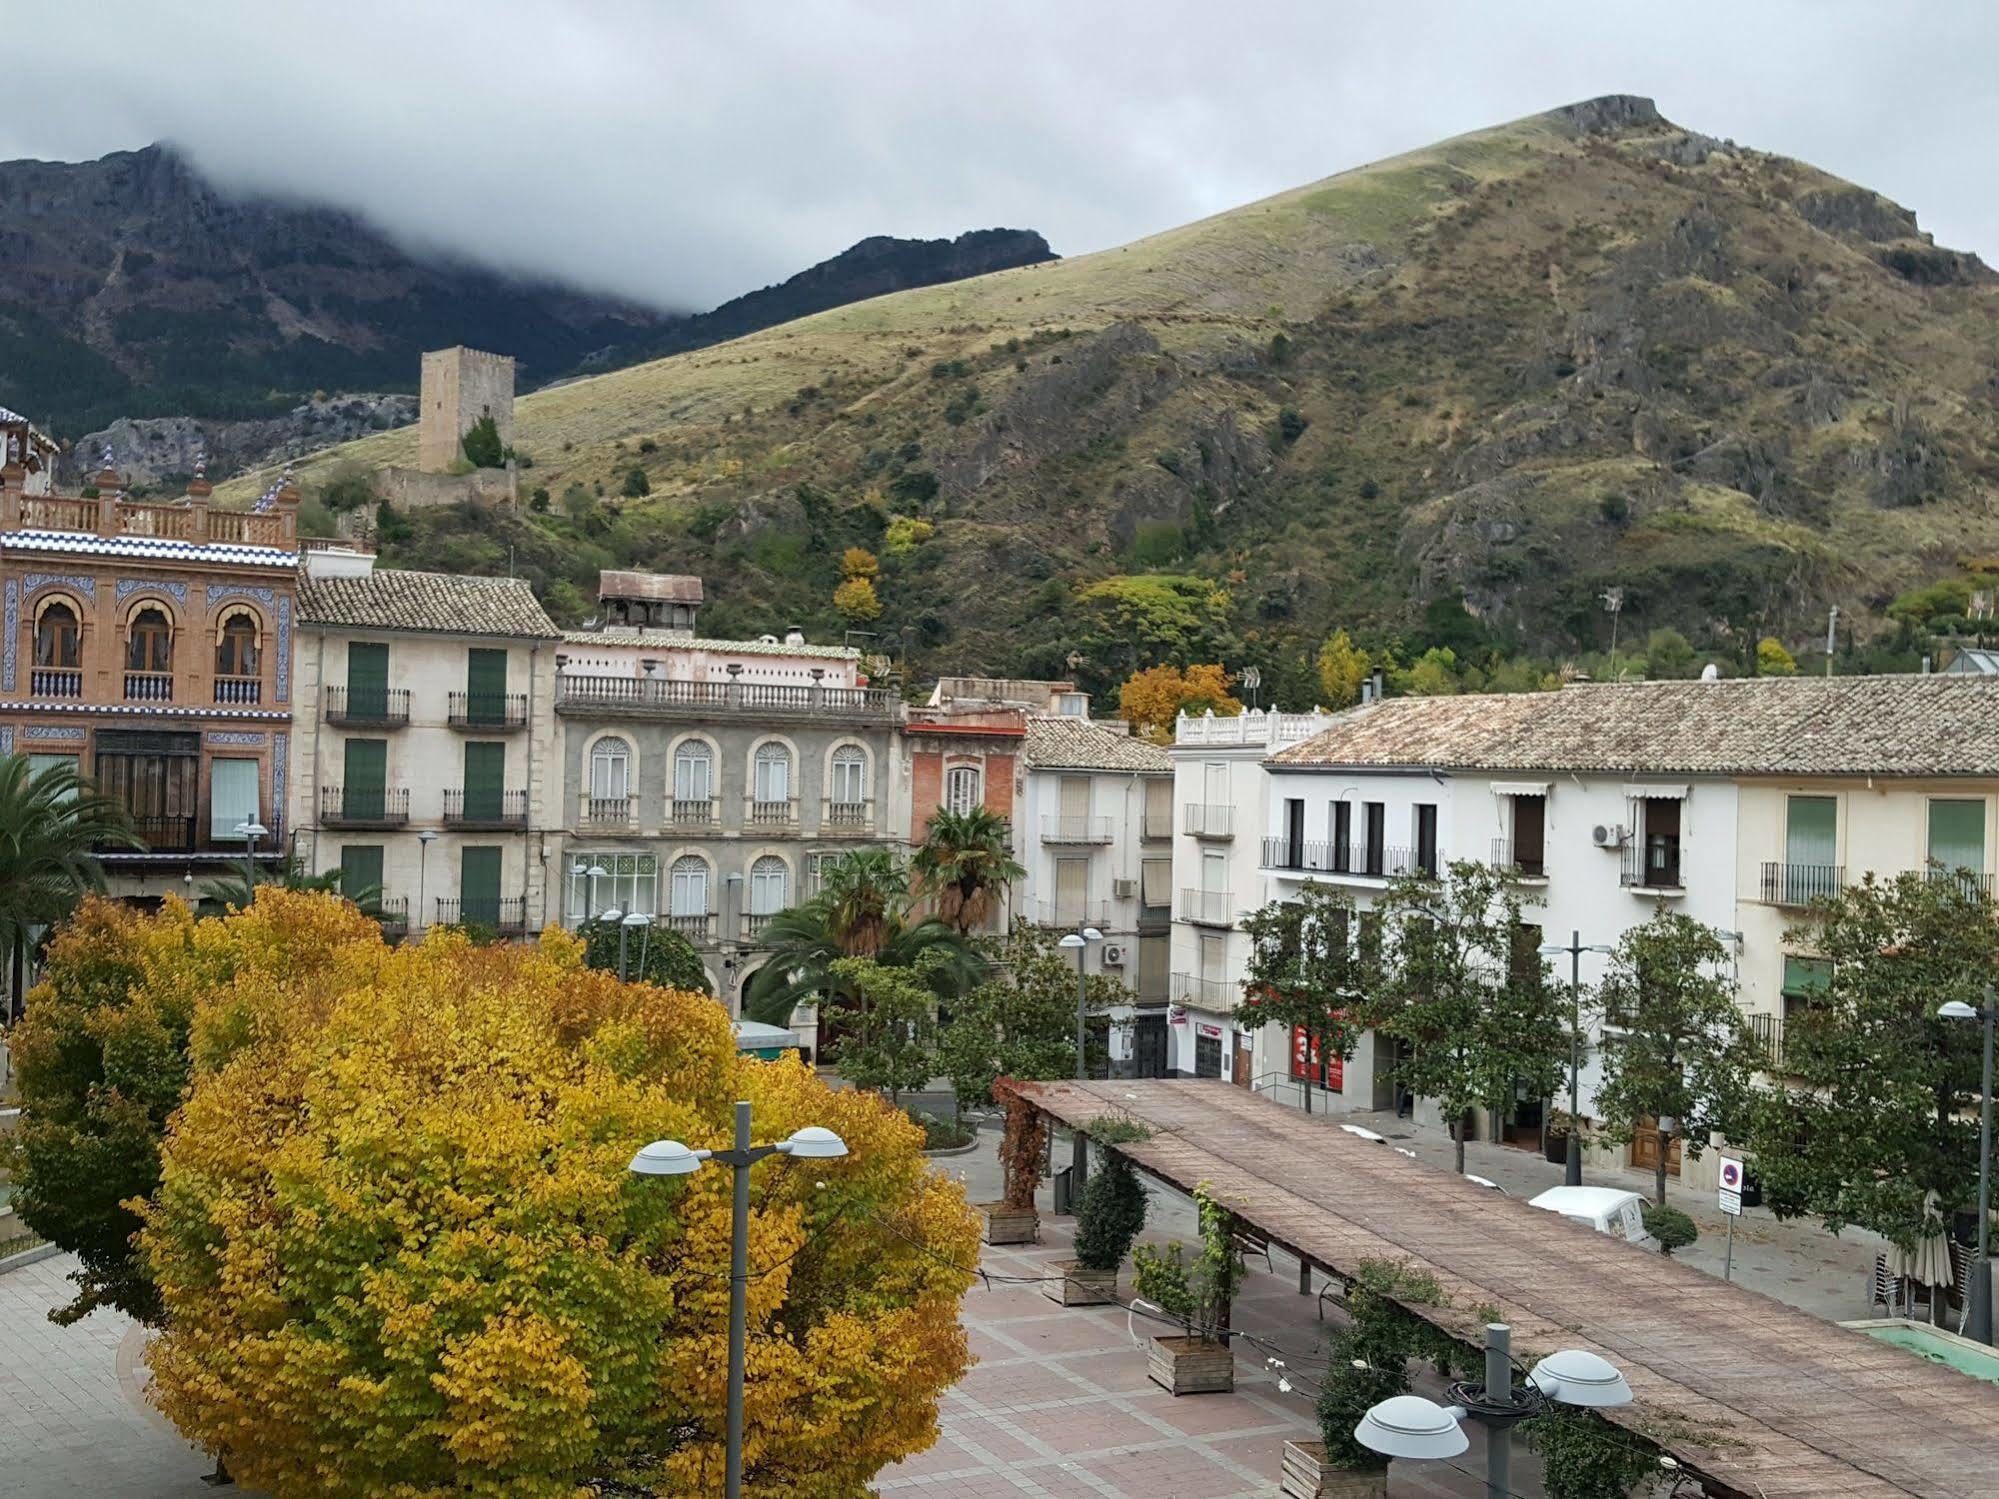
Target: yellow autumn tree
(856, 598)
(1150, 700)
(399, 1251)
(1772, 660)
(859, 562)
(1343, 666)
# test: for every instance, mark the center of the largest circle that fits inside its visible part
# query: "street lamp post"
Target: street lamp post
(1410, 1426)
(252, 830)
(1572, 1172)
(1080, 940)
(1978, 1316)
(671, 1158)
(625, 925)
(424, 838)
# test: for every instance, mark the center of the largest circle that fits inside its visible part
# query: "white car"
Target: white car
(1608, 1210)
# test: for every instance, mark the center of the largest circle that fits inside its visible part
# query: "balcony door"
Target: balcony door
(364, 779)
(1375, 854)
(485, 686)
(1662, 843)
(1072, 883)
(485, 780)
(1294, 832)
(1811, 848)
(157, 776)
(1074, 820)
(1957, 840)
(479, 886)
(367, 679)
(1530, 834)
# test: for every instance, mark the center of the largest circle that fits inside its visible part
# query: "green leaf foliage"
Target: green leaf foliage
(1584, 1457)
(1671, 1227)
(481, 444)
(1112, 1213)
(1021, 1021)
(653, 955)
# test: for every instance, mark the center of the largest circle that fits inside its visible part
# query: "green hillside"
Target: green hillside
(1510, 370)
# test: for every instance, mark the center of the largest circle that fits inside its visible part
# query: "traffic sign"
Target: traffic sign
(1731, 1185)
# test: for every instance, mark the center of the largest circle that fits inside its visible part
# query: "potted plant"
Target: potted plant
(1555, 1135)
(1023, 1150)
(1197, 1296)
(1113, 1212)
(1337, 1466)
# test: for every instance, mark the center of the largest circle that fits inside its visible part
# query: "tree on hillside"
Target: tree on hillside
(1683, 1056)
(636, 485)
(857, 600)
(1463, 984)
(1130, 620)
(1669, 657)
(481, 444)
(1021, 1021)
(51, 826)
(1152, 699)
(1306, 973)
(1343, 666)
(1882, 1106)
(576, 1341)
(966, 864)
(1772, 660)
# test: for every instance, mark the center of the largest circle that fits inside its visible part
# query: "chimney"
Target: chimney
(1380, 684)
(793, 635)
(1366, 692)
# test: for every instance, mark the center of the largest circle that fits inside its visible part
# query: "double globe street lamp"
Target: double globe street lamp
(1978, 1316)
(626, 921)
(1079, 942)
(671, 1158)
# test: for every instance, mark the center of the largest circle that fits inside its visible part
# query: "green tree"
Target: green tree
(1021, 1022)
(481, 444)
(1669, 656)
(865, 894)
(1685, 1056)
(1343, 666)
(1306, 973)
(966, 864)
(1885, 1104)
(51, 826)
(653, 955)
(636, 484)
(1432, 674)
(1584, 1457)
(1111, 1214)
(1772, 660)
(1463, 984)
(235, 890)
(1198, 1293)
(1132, 621)
(888, 1024)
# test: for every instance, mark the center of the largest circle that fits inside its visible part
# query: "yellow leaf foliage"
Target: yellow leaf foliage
(400, 1254)
(1151, 699)
(859, 562)
(856, 598)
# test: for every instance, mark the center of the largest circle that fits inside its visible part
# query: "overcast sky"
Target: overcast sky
(682, 152)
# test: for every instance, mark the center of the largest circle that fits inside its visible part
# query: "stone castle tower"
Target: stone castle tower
(460, 385)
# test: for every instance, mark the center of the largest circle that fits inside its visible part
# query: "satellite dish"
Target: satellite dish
(1251, 677)
(1710, 673)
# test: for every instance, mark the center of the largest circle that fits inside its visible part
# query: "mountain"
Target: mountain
(1453, 395)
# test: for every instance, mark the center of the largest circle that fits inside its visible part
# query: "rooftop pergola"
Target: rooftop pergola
(1760, 1399)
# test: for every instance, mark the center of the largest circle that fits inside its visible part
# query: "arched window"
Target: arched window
(236, 646)
(689, 894)
(58, 637)
(771, 782)
(770, 886)
(961, 789)
(850, 776)
(610, 769)
(693, 772)
(150, 644)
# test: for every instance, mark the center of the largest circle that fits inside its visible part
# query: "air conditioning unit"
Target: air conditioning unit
(1124, 889)
(1611, 835)
(1113, 955)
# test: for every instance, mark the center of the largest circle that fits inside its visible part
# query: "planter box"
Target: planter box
(1307, 1477)
(1080, 1286)
(1009, 1225)
(1557, 1150)
(1191, 1366)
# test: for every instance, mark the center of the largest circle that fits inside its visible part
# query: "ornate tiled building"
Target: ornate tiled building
(150, 646)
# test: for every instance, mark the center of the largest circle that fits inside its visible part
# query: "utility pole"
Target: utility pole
(1831, 626)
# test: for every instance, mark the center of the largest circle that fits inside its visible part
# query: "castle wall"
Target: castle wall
(459, 386)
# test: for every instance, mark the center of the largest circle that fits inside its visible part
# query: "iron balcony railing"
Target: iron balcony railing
(1059, 829)
(236, 691)
(1533, 866)
(1207, 907)
(654, 695)
(55, 681)
(855, 817)
(1801, 884)
(364, 806)
(1209, 994)
(1970, 882)
(487, 711)
(611, 811)
(175, 837)
(387, 707)
(485, 809)
(1347, 860)
(149, 687)
(393, 912)
(1768, 1032)
(1653, 864)
(1066, 915)
(698, 926)
(506, 914)
(1210, 820)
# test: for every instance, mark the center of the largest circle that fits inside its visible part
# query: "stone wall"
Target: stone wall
(459, 386)
(412, 489)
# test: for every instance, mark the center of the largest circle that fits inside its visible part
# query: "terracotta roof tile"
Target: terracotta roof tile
(1058, 743)
(1847, 726)
(435, 603)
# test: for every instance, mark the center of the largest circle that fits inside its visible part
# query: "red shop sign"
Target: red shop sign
(1305, 1057)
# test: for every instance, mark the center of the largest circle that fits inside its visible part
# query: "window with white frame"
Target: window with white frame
(961, 789)
(693, 772)
(814, 878)
(610, 769)
(771, 774)
(626, 882)
(689, 892)
(850, 776)
(770, 886)
(232, 799)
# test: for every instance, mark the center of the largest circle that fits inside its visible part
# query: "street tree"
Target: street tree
(1306, 974)
(1881, 1102)
(887, 1026)
(1684, 1056)
(1021, 1021)
(965, 864)
(1463, 985)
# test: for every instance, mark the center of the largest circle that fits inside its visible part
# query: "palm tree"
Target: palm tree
(806, 940)
(50, 825)
(239, 888)
(966, 862)
(864, 894)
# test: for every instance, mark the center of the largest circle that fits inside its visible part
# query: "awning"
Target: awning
(1519, 788)
(1657, 793)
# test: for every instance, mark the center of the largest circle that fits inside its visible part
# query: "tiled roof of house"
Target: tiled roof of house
(1803, 726)
(666, 640)
(435, 603)
(1060, 743)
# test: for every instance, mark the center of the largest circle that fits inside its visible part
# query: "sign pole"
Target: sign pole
(1730, 1196)
(1728, 1255)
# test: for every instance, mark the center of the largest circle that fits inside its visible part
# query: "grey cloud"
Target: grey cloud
(684, 152)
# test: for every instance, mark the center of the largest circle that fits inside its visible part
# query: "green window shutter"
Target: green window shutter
(1957, 835)
(1806, 978)
(365, 778)
(479, 886)
(485, 686)
(485, 780)
(367, 679)
(1812, 831)
(361, 870)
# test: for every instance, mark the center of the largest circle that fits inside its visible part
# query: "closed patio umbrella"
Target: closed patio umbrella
(1927, 1261)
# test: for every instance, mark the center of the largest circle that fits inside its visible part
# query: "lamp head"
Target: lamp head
(426, 836)
(1410, 1426)
(1071, 940)
(666, 1158)
(597, 872)
(252, 828)
(614, 914)
(637, 918)
(812, 1143)
(1091, 934)
(1575, 1376)
(1956, 1009)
